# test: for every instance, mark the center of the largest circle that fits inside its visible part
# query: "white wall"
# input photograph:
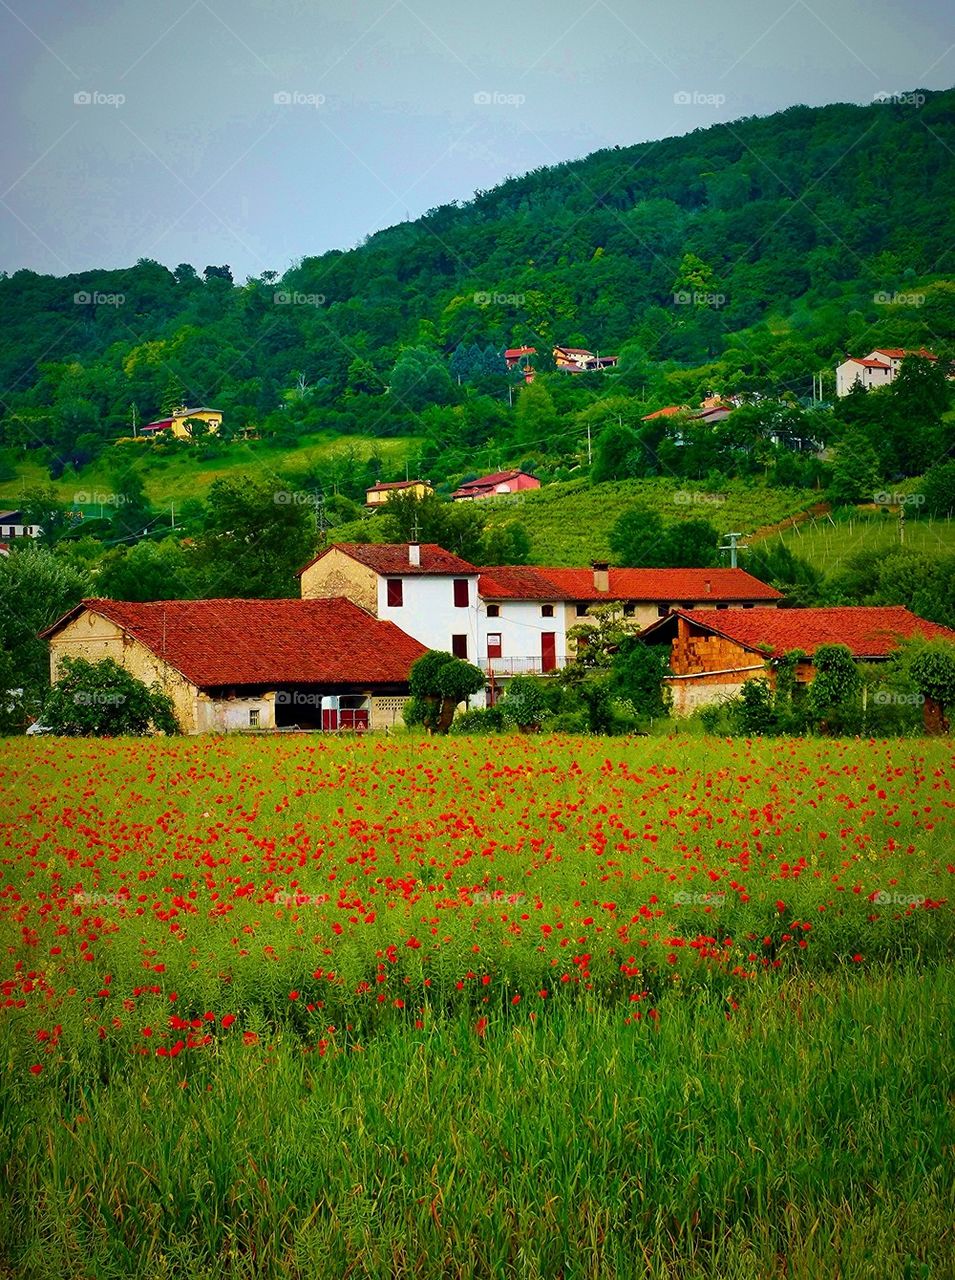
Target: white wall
(428, 612)
(520, 626)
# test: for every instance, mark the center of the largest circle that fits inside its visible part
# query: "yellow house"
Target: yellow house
(379, 494)
(177, 423)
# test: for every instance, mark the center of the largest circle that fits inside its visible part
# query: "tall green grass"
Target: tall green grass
(802, 1135)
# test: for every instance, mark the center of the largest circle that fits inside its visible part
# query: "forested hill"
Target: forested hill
(743, 257)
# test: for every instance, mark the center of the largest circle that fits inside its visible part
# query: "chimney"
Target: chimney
(601, 575)
(707, 586)
(414, 554)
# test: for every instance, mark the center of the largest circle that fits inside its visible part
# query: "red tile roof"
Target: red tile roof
(160, 424)
(668, 412)
(484, 484)
(867, 632)
(899, 353)
(264, 642)
(666, 586)
(869, 364)
(513, 352)
(391, 558)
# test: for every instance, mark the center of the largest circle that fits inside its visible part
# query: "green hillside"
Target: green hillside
(569, 523)
(739, 259)
(828, 544)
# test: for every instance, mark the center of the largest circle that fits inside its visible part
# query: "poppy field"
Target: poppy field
(518, 1007)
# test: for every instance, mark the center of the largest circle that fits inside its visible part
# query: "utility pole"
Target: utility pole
(172, 514)
(133, 407)
(731, 547)
(590, 455)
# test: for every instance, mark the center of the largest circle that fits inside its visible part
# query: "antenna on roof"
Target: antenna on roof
(415, 531)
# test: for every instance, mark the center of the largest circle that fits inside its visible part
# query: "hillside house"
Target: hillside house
(580, 360)
(176, 424)
(250, 664)
(496, 485)
(877, 369)
(713, 655)
(13, 525)
(379, 494)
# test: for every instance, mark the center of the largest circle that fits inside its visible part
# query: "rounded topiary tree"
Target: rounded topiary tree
(833, 699)
(101, 699)
(438, 682)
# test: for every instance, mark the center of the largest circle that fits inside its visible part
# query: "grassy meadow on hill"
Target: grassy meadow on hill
(530, 1007)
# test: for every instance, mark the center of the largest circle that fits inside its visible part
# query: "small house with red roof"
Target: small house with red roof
(378, 494)
(227, 665)
(497, 484)
(712, 655)
(175, 424)
(877, 369)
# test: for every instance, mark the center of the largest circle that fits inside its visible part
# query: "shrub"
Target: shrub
(101, 699)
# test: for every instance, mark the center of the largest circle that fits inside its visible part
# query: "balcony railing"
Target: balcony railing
(521, 666)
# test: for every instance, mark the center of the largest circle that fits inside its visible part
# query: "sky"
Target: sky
(256, 132)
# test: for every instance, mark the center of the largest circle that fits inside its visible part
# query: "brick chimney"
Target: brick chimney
(707, 586)
(414, 554)
(601, 575)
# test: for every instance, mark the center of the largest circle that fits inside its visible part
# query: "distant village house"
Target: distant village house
(379, 494)
(176, 424)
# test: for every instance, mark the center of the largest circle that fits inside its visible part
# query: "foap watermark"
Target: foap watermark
(295, 98)
(295, 498)
(685, 498)
(299, 899)
(97, 498)
(99, 899)
(95, 98)
(699, 899)
(98, 698)
(885, 498)
(493, 98)
(84, 298)
(285, 298)
(912, 99)
(698, 298)
(885, 899)
(297, 698)
(694, 98)
(498, 898)
(499, 299)
(888, 698)
(885, 299)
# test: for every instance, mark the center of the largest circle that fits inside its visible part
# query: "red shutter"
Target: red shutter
(459, 646)
(395, 593)
(461, 593)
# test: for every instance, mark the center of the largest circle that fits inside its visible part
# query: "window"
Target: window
(662, 610)
(459, 646)
(253, 717)
(547, 610)
(396, 593)
(582, 610)
(461, 600)
(494, 611)
(494, 644)
(629, 610)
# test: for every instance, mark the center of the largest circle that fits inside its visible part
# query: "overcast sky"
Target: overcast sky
(253, 132)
